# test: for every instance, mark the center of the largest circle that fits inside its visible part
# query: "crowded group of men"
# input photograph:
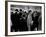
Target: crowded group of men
(25, 21)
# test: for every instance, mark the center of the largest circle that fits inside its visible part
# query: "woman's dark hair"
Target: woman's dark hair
(29, 11)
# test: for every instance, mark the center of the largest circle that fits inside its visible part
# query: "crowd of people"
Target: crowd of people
(25, 21)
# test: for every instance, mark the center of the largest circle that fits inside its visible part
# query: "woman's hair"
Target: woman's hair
(29, 11)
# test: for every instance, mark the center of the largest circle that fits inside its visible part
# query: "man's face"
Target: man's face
(35, 14)
(17, 12)
(24, 16)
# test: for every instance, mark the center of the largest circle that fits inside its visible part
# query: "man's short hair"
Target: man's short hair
(20, 9)
(16, 9)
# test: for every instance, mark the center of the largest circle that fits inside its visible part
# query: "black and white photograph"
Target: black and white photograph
(25, 18)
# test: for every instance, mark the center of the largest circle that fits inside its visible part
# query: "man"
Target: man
(15, 21)
(35, 17)
(24, 17)
(12, 20)
(23, 23)
(17, 18)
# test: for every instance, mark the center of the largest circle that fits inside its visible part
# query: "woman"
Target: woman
(29, 20)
